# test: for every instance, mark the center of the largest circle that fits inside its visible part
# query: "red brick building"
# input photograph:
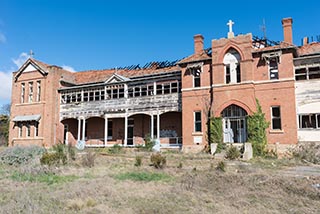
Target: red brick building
(171, 101)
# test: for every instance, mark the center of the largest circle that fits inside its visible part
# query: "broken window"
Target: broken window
(301, 74)
(309, 121)
(314, 72)
(273, 68)
(196, 79)
(275, 118)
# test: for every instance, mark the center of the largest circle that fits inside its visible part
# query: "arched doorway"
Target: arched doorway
(234, 124)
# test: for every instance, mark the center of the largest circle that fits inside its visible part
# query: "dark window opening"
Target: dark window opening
(228, 78)
(238, 74)
(159, 89)
(197, 121)
(91, 96)
(273, 69)
(276, 118)
(115, 93)
(121, 92)
(196, 79)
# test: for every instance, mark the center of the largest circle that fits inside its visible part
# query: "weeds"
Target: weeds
(232, 153)
(138, 161)
(88, 159)
(309, 152)
(48, 178)
(20, 155)
(158, 161)
(115, 149)
(221, 166)
(143, 176)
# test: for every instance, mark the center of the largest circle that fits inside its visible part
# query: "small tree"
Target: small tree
(257, 125)
(216, 132)
(4, 124)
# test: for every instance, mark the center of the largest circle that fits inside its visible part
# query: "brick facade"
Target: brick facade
(123, 106)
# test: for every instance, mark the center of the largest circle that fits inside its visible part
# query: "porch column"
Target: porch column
(79, 128)
(84, 129)
(154, 88)
(152, 127)
(125, 129)
(158, 126)
(105, 130)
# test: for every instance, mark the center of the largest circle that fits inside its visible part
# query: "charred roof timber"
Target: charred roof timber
(263, 42)
(149, 65)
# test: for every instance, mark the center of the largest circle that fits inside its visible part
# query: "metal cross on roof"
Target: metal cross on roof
(230, 33)
(31, 54)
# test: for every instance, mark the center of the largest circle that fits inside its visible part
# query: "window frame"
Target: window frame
(273, 65)
(197, 122)
(30, 97)
(38, 99)
(23, 92)
(273, 117)
(309, 126)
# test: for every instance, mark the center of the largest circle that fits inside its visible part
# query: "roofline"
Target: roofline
(94, 84)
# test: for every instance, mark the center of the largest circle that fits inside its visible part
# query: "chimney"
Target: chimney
(198, 44)
(287, 29)
(305, 40)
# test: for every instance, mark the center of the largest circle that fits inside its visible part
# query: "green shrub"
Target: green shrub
(158, 161)
(49, 178)
(221, 166)
(232, 153)
(257, 125)
(50, 159)
(216, 133)
(138, 161)
(88, 159)
(149, 143)
(20, 155)
(115, 149)
(61, 152)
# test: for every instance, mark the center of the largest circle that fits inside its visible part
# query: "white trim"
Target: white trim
(196, 89)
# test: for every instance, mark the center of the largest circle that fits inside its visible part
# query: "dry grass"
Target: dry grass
(197, 187)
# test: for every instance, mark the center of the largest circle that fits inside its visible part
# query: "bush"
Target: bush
(232, 153)
(158, 161)
(216, 133)
(257, 125)
(149, 143)
(88, 159)
(221, 166)
(50, 159)
(138, 161)
(115, 149)
(309, 152)
(20, 155)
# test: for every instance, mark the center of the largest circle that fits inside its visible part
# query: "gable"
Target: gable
(115, 78)
(30, 66)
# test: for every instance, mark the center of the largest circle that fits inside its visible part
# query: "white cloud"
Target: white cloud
(5, 86)
(68, 68)
(3, 38)
(21, 59)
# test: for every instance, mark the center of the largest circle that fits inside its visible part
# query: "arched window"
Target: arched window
(234, 124)
(231, 63)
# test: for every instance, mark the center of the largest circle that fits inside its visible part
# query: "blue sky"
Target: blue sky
(96, 34)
